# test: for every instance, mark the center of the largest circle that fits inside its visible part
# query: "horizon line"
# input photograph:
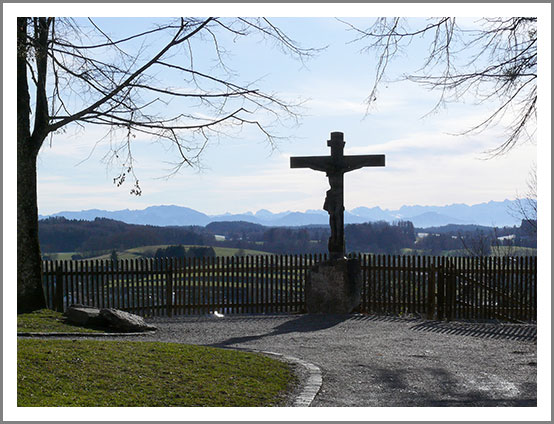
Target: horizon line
(279, 212)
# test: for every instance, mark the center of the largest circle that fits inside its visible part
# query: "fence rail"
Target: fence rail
(435, 287)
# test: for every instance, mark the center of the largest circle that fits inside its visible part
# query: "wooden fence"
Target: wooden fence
(168, 286)
(478, 288)
(434, 287)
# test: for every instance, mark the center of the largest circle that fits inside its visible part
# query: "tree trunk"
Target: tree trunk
(30, 295)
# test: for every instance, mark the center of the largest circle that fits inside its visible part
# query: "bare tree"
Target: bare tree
(478, 244)
(502, 246)
(525, 206)
(69, 73)
(495, 63)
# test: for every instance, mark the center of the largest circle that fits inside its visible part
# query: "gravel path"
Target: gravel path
(383, 361)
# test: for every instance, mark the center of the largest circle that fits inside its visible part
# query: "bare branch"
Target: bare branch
(96, 79)
(111, 42)
(502, 66)
(175, 93)
(175, 40)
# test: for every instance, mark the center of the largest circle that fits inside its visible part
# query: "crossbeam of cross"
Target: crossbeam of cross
(335, 167)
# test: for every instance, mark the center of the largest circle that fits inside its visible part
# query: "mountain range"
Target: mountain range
(493, 213)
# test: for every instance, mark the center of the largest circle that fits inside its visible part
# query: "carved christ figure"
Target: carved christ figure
(334, 205)
(335, 166)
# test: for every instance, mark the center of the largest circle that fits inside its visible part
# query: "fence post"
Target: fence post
(169, 286)
(58, 298)
(440, 293)
(450, 293)
(431, 290)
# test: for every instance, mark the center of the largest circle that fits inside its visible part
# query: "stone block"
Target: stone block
(113, 320)
(83, 315)
(121, 321)
(334, 286)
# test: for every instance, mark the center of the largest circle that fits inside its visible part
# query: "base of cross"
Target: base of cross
(334, 286)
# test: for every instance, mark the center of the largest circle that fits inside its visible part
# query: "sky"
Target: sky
(425, 163)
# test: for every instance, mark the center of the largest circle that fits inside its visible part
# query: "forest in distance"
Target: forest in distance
(89, 239)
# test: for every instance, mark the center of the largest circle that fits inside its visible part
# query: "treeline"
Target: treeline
(476, 240)
(62, 235)
(375, 237)
(181, 252)
(379, 237)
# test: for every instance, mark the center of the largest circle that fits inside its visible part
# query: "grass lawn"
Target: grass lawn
(48, 321)
(124, 373)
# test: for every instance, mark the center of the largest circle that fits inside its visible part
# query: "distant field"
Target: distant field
(148, 251)
(219, 251)
(498, 251)
(495, 251)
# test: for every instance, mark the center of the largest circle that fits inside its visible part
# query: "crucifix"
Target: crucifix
(335, 166)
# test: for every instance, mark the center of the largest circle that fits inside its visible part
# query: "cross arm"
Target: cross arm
(355, 162)
(317, 163)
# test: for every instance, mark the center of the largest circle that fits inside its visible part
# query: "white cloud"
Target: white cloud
(57, 193)
(421, 168)
(430, 144)
(334, 107)
(437, 180)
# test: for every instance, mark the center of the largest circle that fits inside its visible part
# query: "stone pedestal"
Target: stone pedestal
(334, 286)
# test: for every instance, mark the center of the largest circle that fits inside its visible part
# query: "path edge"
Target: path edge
(79, 334)
(311, 385)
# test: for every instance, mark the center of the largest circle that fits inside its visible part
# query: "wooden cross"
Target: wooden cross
(335, 166)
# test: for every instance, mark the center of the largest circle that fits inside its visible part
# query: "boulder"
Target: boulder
(334, 286)
(84, 315)
(109, 318)
(125, 322)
